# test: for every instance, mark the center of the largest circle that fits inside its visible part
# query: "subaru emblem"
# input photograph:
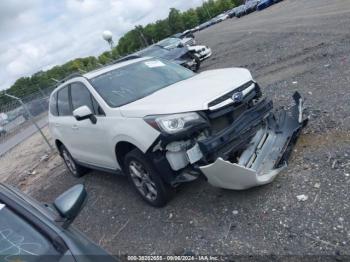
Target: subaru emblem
(237, 97)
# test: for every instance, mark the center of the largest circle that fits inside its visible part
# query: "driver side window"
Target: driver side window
(82, 97)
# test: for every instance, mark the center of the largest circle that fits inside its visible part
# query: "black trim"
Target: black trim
(241, 130)
(229, 94)
(98, 168)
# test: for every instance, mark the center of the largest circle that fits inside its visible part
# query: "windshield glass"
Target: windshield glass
(169, 41)
(155, 51)
(132, 82)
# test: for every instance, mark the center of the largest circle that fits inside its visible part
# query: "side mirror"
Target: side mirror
(84, 112)
(69, 203)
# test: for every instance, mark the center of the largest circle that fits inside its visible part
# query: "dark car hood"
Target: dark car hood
(168, 54)
(176, 53)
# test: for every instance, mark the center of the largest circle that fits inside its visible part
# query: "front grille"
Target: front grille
(221, 122)
(190, 42)
(229, 94)
(223, 117)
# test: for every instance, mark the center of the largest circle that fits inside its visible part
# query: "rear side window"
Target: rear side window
(53, 104)
(80, 96)
(63, 102)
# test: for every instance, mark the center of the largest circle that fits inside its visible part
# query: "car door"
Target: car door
(24, 237)
(91, 141)
(64, 120)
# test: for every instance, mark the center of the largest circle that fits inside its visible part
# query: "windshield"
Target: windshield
(169, 41)
(155, 51)
(132, 82)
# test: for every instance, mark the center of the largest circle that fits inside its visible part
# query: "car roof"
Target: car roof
(108, 68)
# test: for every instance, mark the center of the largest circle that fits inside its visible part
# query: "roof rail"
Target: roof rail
(126, 58)
(76, 74)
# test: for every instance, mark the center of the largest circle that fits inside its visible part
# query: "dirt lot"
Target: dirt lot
(299, 45)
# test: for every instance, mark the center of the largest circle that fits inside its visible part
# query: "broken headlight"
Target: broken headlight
(176, 123)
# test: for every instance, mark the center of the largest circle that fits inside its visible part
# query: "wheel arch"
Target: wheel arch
(58, 144)
(121, 149)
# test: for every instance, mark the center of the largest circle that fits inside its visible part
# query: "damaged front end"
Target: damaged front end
(238, 143)
(263, 157)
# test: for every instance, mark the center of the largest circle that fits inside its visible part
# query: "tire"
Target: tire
(73, 167)
(196, 67)
(146, 180)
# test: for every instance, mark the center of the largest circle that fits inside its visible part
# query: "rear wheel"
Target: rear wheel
(73, 167)
(146, 180)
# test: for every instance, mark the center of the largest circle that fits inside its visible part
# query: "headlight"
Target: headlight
(176, 123)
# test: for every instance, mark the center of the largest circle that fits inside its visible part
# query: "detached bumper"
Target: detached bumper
(266, 154)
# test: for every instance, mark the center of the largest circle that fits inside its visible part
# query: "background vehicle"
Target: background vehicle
(180, 55)
(2, 131)
(250, 6)
(203, 26)
(220, 18)
(163, 125)
(232, 12)
(173, 42)
(201, 51)
(31, 231)
(241, 11)
(264, 4)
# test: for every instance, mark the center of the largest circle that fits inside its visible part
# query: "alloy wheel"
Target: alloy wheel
(69, 162)
(142, 180)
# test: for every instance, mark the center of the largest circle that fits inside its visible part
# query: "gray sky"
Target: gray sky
(38, 34)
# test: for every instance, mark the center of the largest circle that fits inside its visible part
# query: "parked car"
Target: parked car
(2, 131)
(201, 51)
(181, 55)
(186, 33)
(174, 42)
(30, 231)
(203, 26)
(232, 12)
(221, 17)
(4, 119)
(163, 125)
(250, 6)
(264, 4)
(241, 11)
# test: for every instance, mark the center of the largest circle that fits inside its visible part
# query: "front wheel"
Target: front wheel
(197, 63)
(146, 180)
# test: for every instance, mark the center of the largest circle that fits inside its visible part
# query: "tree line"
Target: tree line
(135, 39)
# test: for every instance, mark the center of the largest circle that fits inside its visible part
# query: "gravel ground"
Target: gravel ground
(299, 45)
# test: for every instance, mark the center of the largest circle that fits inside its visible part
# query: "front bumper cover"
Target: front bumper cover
(266, 154)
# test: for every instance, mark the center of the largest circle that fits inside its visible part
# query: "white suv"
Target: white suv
(162, 125)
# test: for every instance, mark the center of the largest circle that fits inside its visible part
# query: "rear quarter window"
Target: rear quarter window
(53, 104)
(63, 104)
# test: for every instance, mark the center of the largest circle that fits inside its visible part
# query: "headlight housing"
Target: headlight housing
(176, 123)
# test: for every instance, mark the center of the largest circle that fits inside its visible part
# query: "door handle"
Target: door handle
(75, 127)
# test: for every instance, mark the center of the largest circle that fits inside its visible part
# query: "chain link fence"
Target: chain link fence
(22, 117)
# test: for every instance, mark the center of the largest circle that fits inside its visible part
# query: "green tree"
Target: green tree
(190, 19)
(133, 40)
(175, 21)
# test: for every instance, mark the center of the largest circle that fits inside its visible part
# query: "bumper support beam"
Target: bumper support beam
(266, 154)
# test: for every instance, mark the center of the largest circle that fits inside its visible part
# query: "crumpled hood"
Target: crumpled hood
(192, 94)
